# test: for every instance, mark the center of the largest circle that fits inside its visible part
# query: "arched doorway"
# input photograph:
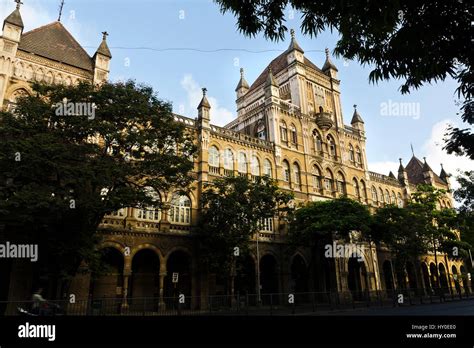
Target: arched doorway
(434, 276)
(299, 275)
(465, 280)
(356, 278)
(268, 276)
(145, 280)
(456, 279)
(109, 282)
(388, 276)
(178, 262)
(443, 280)
(426, 278)
(245, 279)
(412, 285)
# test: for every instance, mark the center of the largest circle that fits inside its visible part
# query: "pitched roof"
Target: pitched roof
(54, 42)
(15, 18)
(356, 117)
(104, 49)
(415, 170)
(278, 64)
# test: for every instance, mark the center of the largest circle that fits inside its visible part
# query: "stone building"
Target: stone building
(289, 126)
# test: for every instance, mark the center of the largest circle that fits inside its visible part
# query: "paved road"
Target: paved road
(464, 307)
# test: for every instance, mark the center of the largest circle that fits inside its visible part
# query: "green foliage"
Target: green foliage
(327, 220)
(232, 210)
(59, 175)
(417, 42)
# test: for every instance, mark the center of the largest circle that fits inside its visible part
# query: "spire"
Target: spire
(204, 102)
(103, 48)
(443, 175)
(356, 117)
(391, 175)
(328, 64)
(401, 168)
(293, 44)
(242, 82)
(426, 167)
(270, 78)
(15, 17)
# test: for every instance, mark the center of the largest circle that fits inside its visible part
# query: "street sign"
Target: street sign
(175, 277)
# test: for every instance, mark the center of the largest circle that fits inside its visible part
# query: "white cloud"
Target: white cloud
(432, 149)
(219, 115)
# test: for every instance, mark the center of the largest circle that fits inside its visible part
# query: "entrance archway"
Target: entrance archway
(443, 280)
(426, 278)
(412, 285)
(268, 274)
(145, 280)
(245, 279)
(109, 283)
(434, 275)
(178, 262)
(299, 275)
(465, 280)
(457, 283)
(356, 277)
(388, 275)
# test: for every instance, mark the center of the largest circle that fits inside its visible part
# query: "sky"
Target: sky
(180, 46)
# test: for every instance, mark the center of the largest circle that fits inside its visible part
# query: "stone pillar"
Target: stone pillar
(126, 276)
(162, 287)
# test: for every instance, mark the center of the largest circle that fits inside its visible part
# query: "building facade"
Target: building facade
(289, 126)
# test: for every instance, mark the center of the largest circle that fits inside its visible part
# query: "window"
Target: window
(213, 156)
(381, 196)
(255, 166)
(318, 143)
(328, 180)
(151, 212)
(180, 209)
(351, 153)
(358, 157)
(355, 184)
(399, 200)
(341, 184)
(267, 168)
(118, 213)
(261, 133)
(228, 159)
(394, 198)
(294, 134)
(286, 171)
(266, 224)
(387, 197)
(363, 191)
(316, 178)
(242, 163)
(283, 132)
(374, 195)
(331, 146)
(297, 174)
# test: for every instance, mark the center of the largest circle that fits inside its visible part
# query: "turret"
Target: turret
(13, 26)
(294, 51)
(402, 174)
(357, 121)
(329, 68)
(444, 176)
(204, 111)
(241, 89)
(427, 172)
(271, 86)
(102, 59)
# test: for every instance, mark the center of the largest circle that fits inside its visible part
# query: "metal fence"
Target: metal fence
(247, 304)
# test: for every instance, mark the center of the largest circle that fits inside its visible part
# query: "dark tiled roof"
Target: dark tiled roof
(277, 65)
(15, 18)
(415, 170)
(54, 42)
(104, 49)
(356, 118)
(328, 65)
(204, 102)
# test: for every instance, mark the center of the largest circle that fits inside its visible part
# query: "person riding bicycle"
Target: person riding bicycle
(38, 302)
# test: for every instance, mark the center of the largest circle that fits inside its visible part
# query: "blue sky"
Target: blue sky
(178, 75)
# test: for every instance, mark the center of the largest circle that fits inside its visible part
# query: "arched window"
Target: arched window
(331, 146)
(316, 178)
(328, 180)
(363, 191)
(394, 198)
(118, 213)
(358, 157)
(374, 195)
(214, 157)
(255, 166)
(151, 212)
(228, 159)
(399, 200)
(318, 143)
(351, 153)
(297, 174)
(267, 168)
(286, 171)
(381, 196)
(294, 134)
(180, 209)
(355, 184)
(261, 133)
(341, 185)
(283, 132)
(387, 197)
(242, 163)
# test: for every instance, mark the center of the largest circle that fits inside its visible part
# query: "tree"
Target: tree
(416, 41)
(71, 154)
(233, 210)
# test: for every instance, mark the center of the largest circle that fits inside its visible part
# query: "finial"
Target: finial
(400, 161)
(204, 90)
(424, 158)
(292, 33)
(327, 52)
(442, 166)
(355, 107)
(60, 10)
(18, 3)
(104, 35)
(242, 72)
(412, 151)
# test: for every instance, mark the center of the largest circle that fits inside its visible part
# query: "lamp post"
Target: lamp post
(259, 299)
